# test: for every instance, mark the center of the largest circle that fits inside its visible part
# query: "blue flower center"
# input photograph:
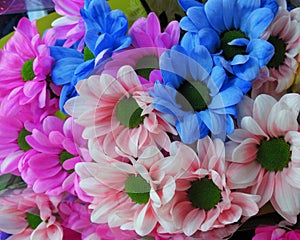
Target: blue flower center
(22, 141)
(204, 194)
(196, 93)
(230, 51)
(274, 154)
(27, 70)
(138, 189)
(33, 220)
(129, 113)
(279, 54)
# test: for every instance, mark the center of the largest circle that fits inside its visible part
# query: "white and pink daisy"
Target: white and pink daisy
(203, 201)
(281, 71)
(27, 215)
(70, 26)
(25, 64)
(263, 154)
(126, 195)
(118, 114)
(56, 148)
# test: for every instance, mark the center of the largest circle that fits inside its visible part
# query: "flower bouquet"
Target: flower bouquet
(178, 120)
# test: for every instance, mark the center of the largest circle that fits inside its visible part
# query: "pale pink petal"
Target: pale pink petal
(193, 221)
(247, 202)
(253, 127)
(144, 220)
(246, 151)
(231, 215)
(211, 216)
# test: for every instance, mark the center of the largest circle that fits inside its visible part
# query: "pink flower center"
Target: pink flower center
(129, 113)
(274, 154)
(138, 189)
(22, 141)
(193, 94)
(279, 55)
(27, 70)
(230, 51)
(204, 194)
(33, 220)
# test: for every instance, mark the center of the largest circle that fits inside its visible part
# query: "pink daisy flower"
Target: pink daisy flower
(56, 148)
(13, 133)
(280, 72)
(149, 43)
(27, 215)
(203, 201)
(118, 114)
(263, 153)
(146, 32)
(127, 195)
(25, 64)
(70, 26)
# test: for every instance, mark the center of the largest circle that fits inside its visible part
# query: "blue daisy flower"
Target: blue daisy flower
(196, 96)
(105, 33)
(231, 30)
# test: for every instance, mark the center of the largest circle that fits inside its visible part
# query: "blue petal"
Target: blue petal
(195, 20)
(239, 42)
(242, 10)
(243, 85)
(61, 52)
(271, 4)
(228, 13)
(68, 91)
(63, 70)
(214, 13)
(116, 23)
(121, 43)
(188, 129)
(262, 50)
(247, 71)
(216, 123)
(228, 97)
(229, 125)
(210, 39)
(239, 59)
(202, 66)
(216, 80)
(185, 4)
(257, 22)
(104, 41)
(84, 69)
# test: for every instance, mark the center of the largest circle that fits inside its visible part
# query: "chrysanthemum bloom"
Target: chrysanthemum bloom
(17, 122)
(27, 215)
(126, 195)
(25, 63)
(264, 154)
(284, 35)
(118, 113)
(149, 43)
(197, 96)
(105, 33)
(56, 148)
(231, 30)
(275, 233)
(203, 200)
(70, 27)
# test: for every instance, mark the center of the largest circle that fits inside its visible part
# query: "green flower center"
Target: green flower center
(196, 93)
(279, 55)
(230, 51)
(274, 155)
(33, 220)
(64, 156)
(27, 70)
(22, 141)
(204, 194)
(137, 188)
(146, 65)
(87, 54)
(129, 113)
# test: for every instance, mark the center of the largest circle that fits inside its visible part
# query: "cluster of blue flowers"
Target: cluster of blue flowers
(204, 77)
